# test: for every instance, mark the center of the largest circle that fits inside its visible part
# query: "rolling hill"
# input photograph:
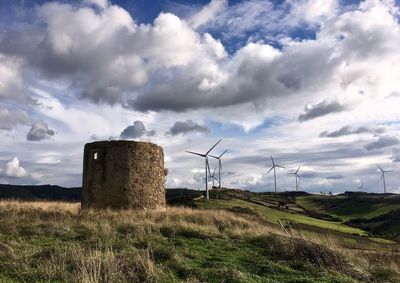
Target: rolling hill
(237, 236)
(351, 213)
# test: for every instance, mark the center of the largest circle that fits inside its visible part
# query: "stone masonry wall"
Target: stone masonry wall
(123, 174)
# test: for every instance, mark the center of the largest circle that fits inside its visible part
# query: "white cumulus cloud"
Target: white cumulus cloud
(14, 169)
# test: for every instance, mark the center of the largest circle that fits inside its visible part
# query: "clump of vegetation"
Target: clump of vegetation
(57, 242)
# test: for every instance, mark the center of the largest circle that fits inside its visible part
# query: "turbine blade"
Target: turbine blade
(279, 166)
(223, 153)
(273, 163)
(213, 156)
(380, 168)
(213, 147)
(387, 171)
(297, 171)
(199, 154)
(270, 169)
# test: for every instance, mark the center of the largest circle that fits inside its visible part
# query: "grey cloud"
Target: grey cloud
(348, 130)
(383, 142)
(308, 174)
(185, 127)
(321, 109)
(321, 156)
(396, 158)
(335, 177)
(251, 76)
(39, 131)
(10, 119)
(137, 130)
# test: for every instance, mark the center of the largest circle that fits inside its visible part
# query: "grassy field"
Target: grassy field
(347, 208)
(274, 215)
(57, 242)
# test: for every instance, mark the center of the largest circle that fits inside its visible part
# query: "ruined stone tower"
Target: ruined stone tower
(123, 174)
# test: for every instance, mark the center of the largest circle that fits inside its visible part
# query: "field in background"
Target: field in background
(374, 215)
(346, 208)
(57, 242)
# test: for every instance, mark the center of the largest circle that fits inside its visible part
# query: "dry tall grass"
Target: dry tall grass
(73, 207)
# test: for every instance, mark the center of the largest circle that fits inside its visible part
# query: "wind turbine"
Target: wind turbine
(213, 175)
(383, 177)
(361, 187)
(205, 156)
(273, 167)
(297, 176)
(220, 166)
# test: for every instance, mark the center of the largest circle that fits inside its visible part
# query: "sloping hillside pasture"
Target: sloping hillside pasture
(57, 242)
(365, 206)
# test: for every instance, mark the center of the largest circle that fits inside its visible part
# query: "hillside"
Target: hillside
(56, 242)
(351, 205)
(237, 236)
(325, 212)
(41, 192)
(377, 214)
(354, 213)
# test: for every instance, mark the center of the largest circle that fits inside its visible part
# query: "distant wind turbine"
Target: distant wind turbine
(297, 177)
(361, 187)
(219, 166)
(274, 168)
(383, 177)
(213, 176)
(207, 168)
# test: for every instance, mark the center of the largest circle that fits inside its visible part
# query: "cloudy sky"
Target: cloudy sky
(315, 83)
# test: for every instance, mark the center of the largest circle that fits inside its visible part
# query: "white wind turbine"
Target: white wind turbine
(213, 176)
(219, 166)
(361, 187)
(297, 177)
(274, 168)
(205, 156)
(383, 177)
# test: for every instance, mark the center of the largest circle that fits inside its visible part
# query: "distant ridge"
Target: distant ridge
(40, 192)
(174, 196)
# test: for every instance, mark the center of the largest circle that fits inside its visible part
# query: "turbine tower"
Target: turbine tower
(205, 156)
(274, 168)
(219, 166)
(383, 177)
(297, 177)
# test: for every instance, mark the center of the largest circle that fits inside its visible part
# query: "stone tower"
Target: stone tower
(123, 174)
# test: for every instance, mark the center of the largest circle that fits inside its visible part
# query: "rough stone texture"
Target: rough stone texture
(126, 174)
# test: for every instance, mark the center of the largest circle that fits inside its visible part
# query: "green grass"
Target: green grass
(274, 215)
(350, 208)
